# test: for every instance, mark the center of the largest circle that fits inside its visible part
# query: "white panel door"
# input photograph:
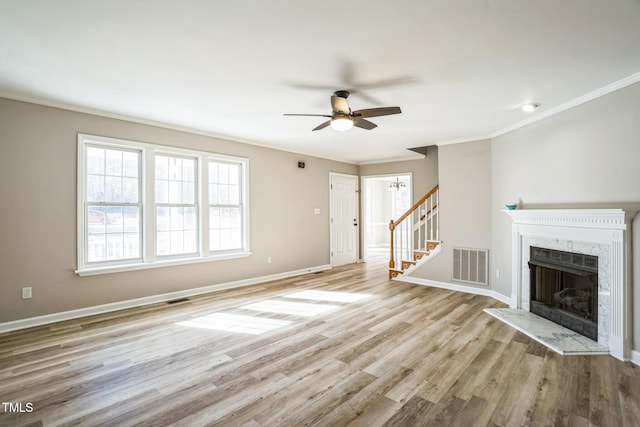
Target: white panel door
(344, 219)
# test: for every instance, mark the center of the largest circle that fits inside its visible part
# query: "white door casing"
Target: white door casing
(343, 219)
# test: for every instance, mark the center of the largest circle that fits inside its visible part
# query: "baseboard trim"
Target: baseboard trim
(635, 357)
(121, 305)
(455, 287)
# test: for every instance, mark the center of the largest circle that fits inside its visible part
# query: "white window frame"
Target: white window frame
(230, 205)
(148, 207)
(183, 205)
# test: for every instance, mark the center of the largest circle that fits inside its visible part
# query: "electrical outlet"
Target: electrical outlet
(26, 292)
(268, 260)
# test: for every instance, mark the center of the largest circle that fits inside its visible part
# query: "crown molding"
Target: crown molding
(605, 90)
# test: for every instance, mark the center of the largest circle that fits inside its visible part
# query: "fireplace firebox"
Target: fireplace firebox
(564, 289)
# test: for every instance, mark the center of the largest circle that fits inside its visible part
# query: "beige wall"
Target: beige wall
(38, 215)
(587, 156)
(465, 204)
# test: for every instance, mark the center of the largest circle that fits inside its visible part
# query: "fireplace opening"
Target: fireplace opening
(564, 289)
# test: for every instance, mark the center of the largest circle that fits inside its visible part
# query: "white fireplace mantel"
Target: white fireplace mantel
(600, 232)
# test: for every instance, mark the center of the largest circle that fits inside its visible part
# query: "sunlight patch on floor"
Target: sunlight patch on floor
(235, 323)
(289, 307)
(328, 296)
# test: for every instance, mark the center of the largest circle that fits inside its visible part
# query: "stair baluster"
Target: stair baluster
(418, 226)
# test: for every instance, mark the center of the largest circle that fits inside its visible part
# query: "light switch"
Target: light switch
(316, 211)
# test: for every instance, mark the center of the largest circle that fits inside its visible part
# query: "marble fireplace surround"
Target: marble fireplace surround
(599, 232)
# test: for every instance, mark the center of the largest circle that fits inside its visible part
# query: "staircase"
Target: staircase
(415, 234)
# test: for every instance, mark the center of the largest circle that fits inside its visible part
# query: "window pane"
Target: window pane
(113, 233)
(95, 161)
(190, 219)
(188, 193)
(176, 218)
(175, 169)
(225, 228)
(223, 194)
(214, 240)
(130, 166)
(213, 172)
(213, 194)
(162, 219)
(175, 180)
(96, 245)
(131, 245)
(175, 192)
(235, 238)
(114, 246)
(177, 230)
(130, 190)
(97, 219)
(106, 182)
(234, 194)
(223, 173)
(114, 162)
(235, 218)
(190, 241)
(177, 242)
(95, 188)
(214, 218)
(234, 174)
(188, 170)
(162, 167)
(113, 186)
(162, 191)
(163, 243)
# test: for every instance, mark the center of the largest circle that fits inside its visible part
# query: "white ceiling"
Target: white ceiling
(232, 68)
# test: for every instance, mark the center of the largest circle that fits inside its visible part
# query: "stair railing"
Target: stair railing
(411, 231)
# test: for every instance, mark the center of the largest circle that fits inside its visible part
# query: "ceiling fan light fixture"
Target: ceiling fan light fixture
(341, 123)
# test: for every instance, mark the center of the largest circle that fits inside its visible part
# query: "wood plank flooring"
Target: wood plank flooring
(358, 350)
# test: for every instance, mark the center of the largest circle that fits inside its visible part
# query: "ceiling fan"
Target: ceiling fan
(342, 118)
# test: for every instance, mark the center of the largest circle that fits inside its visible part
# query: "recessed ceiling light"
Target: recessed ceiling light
(530, 107)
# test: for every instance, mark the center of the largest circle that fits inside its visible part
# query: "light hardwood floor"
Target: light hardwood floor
(364, 351)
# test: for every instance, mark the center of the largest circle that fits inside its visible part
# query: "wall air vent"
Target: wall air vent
(471, 266)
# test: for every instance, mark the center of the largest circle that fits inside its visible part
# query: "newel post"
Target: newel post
(392, 227)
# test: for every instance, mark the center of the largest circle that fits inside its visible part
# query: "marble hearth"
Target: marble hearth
(598, 232)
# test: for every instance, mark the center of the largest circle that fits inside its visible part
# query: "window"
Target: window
(142, 205)
(225, 208)
(112, 208)
(176, 208)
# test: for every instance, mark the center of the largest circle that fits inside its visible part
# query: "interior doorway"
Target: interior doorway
(385, 197)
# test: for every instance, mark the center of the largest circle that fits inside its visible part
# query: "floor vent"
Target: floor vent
(176, 301)
(471, 266)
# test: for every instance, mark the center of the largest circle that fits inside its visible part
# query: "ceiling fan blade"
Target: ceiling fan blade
(377, 112)
(340, 105)
(397, 81)
(322, 126)
(308, 115)
(364, 124)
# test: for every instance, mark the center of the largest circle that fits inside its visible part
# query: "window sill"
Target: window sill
(157, 264)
